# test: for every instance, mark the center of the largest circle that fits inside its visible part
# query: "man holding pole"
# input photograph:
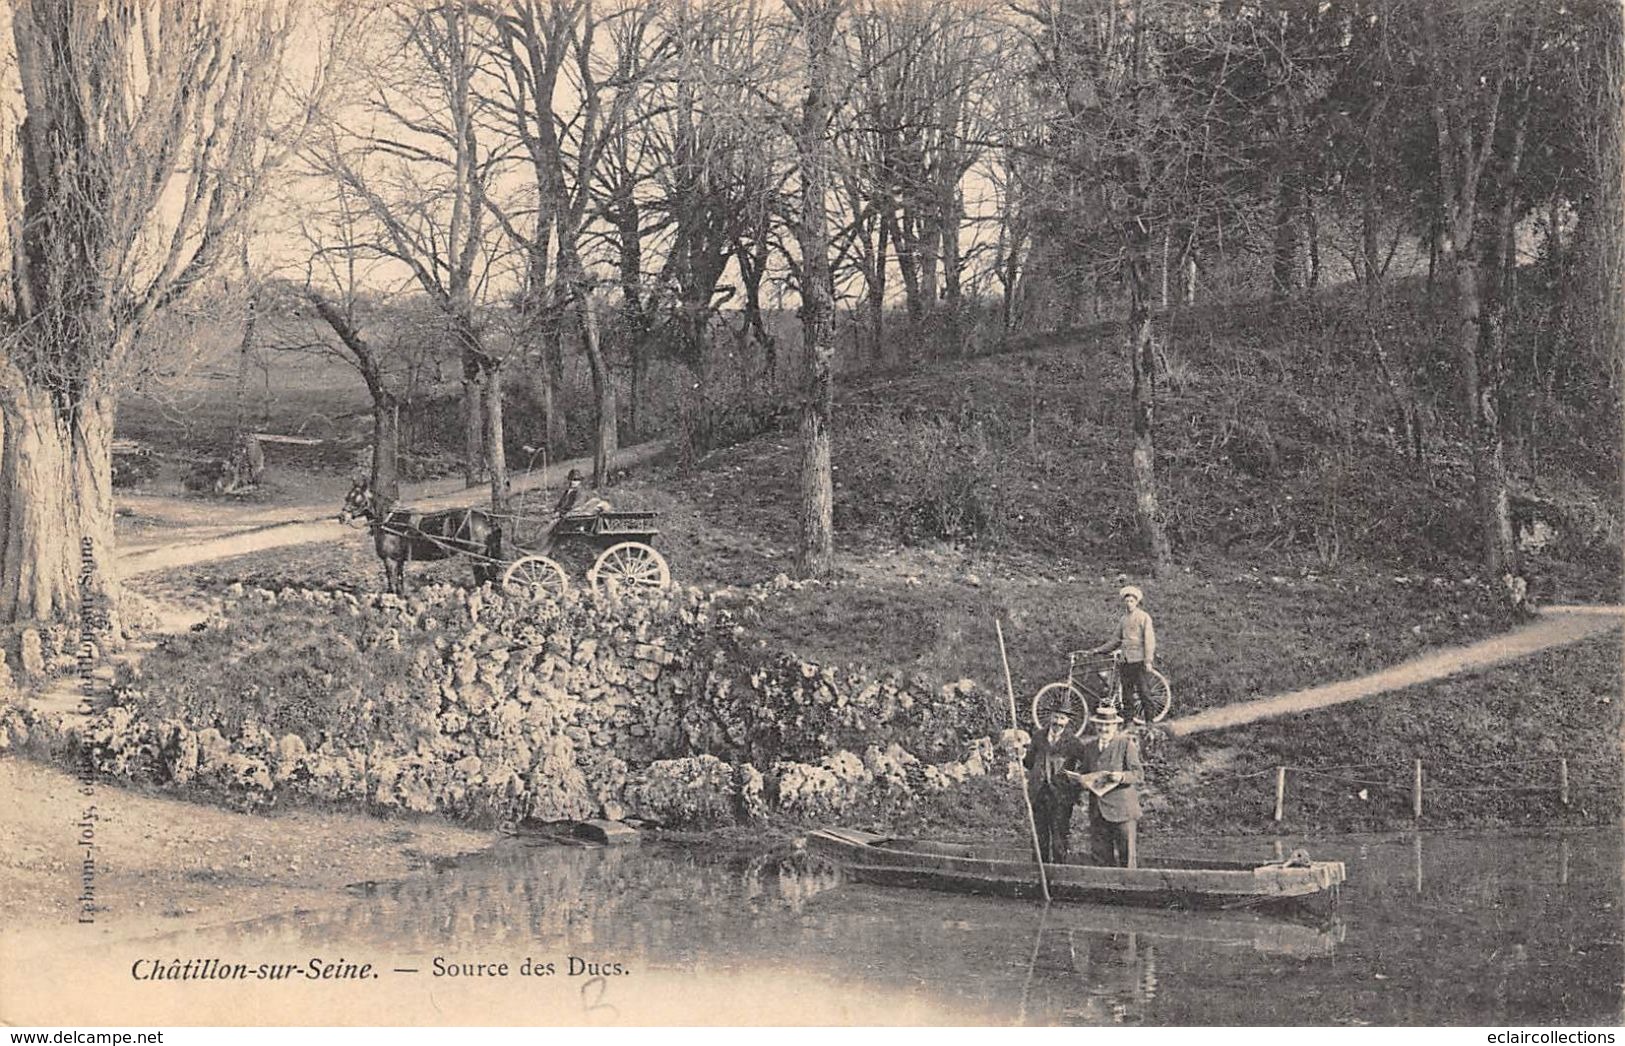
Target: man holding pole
(1051, 784)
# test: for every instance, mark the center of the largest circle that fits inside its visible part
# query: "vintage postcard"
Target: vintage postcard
(811, 512)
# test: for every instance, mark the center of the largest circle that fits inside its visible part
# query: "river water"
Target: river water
(1520, 928)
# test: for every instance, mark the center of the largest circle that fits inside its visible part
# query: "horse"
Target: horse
(400, 535)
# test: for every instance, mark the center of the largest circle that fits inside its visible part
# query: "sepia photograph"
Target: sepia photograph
(801, 513)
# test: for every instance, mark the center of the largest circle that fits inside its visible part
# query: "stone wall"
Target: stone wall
(473, 704)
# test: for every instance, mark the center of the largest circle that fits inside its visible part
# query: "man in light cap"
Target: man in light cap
(1137, 639)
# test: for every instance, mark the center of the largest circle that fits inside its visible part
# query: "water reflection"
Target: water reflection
(1441, 929)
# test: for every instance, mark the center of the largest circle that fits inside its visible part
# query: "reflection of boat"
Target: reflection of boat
(987, 917)
(1224, 929)
(1158, 882)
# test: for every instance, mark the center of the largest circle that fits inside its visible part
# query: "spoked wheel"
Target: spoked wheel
(1159, 696)
(530, 573)
(631, 564)
(1060, 696)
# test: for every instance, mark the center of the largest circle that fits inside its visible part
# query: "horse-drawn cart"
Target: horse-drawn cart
(524, 554)
(626, 554)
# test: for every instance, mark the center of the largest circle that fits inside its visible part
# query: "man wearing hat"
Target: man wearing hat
(1114, 811)
(1051, 786)
(574, 500)
(1137, 639)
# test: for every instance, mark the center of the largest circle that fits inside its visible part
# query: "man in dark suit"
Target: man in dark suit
(1054, 793)
(1113, 814)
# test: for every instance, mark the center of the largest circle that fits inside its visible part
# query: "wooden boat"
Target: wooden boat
(1158, 882)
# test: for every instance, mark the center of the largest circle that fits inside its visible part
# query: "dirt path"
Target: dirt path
(311, 525)
(1556, 626)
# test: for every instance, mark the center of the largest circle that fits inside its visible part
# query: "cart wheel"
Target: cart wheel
(1062, 695)
(530, 572)
(1158, 695)
(631, 564)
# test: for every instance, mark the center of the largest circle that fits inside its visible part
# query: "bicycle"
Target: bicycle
(1099, 685)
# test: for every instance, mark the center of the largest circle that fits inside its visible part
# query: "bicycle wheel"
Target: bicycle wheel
(1158, 694)
(1057, 696)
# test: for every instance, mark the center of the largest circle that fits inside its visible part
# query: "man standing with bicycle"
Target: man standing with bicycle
(1137, 639)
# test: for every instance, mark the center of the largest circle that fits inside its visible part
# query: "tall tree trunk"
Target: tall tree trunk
(628, 220)
(386, 449)
(1284, 269)
(1485, 444)
(1142, 357)
(1311, 237)
(245, 348)
(1167, 249)
(1606, 267)
(877, 294)
(1434, 232)
(815, 552)
(607, 440)
(635, 421)
(496, 453)
(752, 268)
(473, 418)
(56, 487)
(1010, 272)
(928, 244)
(908, 264)
(952, 294)
(1370, 248)
(558, 432)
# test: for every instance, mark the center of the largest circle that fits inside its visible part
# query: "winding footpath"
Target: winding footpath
(1555, 627)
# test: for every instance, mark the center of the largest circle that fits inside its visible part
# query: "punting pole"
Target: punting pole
(1032, 963)
(1015, 724)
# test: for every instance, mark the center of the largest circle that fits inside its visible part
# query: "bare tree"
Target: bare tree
(705, 142)
(565, 136)
(345, 284)
(816, 22)
(411, 151)
(142, 136)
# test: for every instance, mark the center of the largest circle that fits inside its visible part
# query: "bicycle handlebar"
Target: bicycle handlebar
(1084, 655)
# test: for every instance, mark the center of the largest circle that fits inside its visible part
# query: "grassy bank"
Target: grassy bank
(1489, 745)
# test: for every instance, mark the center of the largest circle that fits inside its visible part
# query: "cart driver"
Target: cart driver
(575, 501)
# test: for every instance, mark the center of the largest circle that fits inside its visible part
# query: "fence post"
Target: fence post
(1280, 790)
(1563, 780)
(1416, 850)
(1416, 792)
